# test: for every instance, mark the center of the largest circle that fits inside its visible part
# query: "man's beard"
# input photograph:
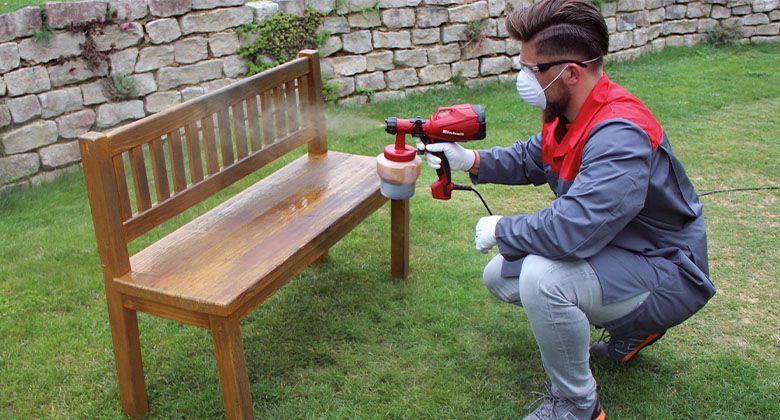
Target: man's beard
(557, 109)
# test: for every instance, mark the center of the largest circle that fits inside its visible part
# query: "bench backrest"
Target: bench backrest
(211, 142)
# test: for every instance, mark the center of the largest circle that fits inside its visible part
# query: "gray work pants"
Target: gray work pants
(560, 299)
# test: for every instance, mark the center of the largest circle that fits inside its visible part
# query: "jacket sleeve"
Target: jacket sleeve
(518, 164)
(606, 194)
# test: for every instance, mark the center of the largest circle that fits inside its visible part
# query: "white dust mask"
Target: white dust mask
(530, 90)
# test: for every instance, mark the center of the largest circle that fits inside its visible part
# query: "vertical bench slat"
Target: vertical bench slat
(193, 150)
(207, 125)
(254, 124)
(239, 129)
(141, 183)
(292, 105)
(303, 97)
(125, 211)
(177, 161)
(279, 108)
(268, 123)
(225, 137)
(159, 170)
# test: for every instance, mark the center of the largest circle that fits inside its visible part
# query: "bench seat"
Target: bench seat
(240, 252)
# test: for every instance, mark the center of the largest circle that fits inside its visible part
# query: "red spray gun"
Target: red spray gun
(457, 123)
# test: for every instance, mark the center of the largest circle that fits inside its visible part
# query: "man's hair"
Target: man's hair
(562, 28)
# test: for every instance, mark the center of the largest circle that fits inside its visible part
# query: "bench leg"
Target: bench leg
(231, 363)
(322, 259)
(399, 238)
(127, 354)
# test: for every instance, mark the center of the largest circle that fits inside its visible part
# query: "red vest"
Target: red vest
(607, 101)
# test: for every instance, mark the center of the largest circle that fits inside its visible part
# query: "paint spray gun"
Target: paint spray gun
(457, 123)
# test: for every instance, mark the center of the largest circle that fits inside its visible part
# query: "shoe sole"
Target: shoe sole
(652, 338)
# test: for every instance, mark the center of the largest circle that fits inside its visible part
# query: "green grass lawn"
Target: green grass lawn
(344, 340)
(11, 5)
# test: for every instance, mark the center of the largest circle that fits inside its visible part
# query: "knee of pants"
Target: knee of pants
(496, 284)
(537, 280)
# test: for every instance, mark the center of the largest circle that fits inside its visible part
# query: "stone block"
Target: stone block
(444, 54)
(51, 176)
(216, 20)
(24, 108)
(191, 92)
(765, 5)
(262, 10)
(123, 62)
(398, 18)
(171, 77)
(679, 27)
(656, 15)
(763, 39)
(358, 42)
(392, 4)
(676, 11)
(513, 47)
(5, 115)
(29, 137)
(212, 4)
(399, 79)
(496, 7)
(437, 73)
(225, 43)
(62, 15)
(109, 115)
(166, 8)
(120, 36)
(620, 41)
(153, 58)
(234, 66)
(61, 45)
(349, 6)
(640, 36)
(430, 17)
(21, 23)
(502, 31)
(129, 9)
(444, 2)
(58, 102)
(73, 125)
(410, 58)
(483, 48)
(163, 30)
(453, 33)
(216, 85)
(331, 46)
(698, 10)
(426, 36)
(365, 20)
(474, 83)
(720, 12)
(161, 101)
(17, 167)
(145, 83)
(469, 12)
(374, 81)
(379, 61)
(768, 30)
(323, 6)
(654, 4)
(755, 19)
(346, 86)
(9, 57)
(706, 25)
(190, 50)
(401, 39)
(489, 28)
(295, 7)
(609, 9)
(354, 101)
(494, 65)
(93, 93)
(627, 22)
(630, 5)
(74, 71)
(349, 65)
(335, 25)
(27, 80)
(59, 155)
(741, 10)
(2, 86)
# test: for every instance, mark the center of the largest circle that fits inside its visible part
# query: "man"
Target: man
(623, 245)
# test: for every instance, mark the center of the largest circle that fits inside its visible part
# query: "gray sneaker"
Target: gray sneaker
(554, 406)
(622, 349)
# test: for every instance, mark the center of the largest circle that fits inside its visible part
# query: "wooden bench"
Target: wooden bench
(213, 271)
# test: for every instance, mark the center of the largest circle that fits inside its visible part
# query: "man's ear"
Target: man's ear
(574, 74)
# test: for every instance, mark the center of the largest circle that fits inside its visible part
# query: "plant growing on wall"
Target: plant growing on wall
(279, 38)
(45, 33)
(120, 86)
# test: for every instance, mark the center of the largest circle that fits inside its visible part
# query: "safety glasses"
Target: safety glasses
(538, 68)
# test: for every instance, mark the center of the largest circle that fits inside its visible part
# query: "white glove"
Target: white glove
(460, 159)
(485, 237)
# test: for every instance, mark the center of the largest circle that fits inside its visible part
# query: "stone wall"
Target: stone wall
(175, 50)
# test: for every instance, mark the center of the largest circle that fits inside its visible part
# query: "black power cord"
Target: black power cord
(467, 188)
(738, 189)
